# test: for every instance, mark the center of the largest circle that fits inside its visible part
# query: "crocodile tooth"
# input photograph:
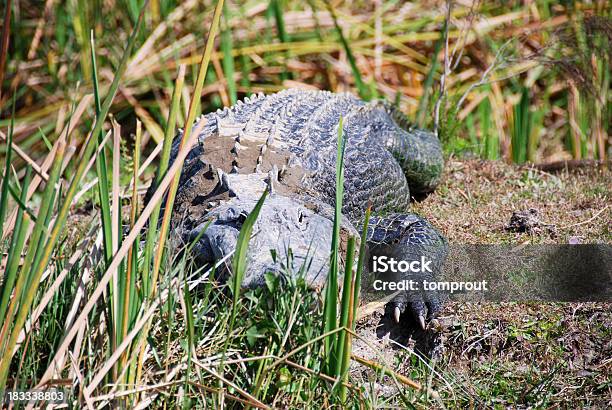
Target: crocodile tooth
(236, 148)
(272, 178)
(282, 172)
(396, 314)
(274, 171)
(220, 173)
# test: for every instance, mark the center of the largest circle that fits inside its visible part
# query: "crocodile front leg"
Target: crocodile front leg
(409, 238)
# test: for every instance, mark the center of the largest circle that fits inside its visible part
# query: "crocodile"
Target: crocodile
(287, 143)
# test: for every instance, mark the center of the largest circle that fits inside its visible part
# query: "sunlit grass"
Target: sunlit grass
(267, 43)
(122, 307)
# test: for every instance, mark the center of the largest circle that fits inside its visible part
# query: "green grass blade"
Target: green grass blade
(361, 262)
(345, 305)
(331, 291)
(228, 58)
(190, 320)
(521, 128)
(239, 261)
(21, 203)
(489, 139)
(4, 190)
(190, 337)
(63, 212)
(34, 249)
(194, 108)
(161, 171)
(277, 10)
(4, 46)
(239, 265)
(127, 305)
(101, 166)
(276, 7)
(362, 88)
(536, 119)
(15, 248)
(191, 115)
(170, 130)
(424, 107)
(352, 304)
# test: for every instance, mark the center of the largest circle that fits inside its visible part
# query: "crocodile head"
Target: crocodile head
(286, 237)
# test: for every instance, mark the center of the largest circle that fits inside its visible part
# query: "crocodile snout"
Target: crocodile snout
(287, 237)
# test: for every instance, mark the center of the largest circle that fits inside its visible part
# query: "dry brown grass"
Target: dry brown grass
(476, 200)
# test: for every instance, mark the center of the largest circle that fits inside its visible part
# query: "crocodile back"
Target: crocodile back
(297, 129)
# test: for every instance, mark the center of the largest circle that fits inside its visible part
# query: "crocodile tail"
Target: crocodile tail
(418, 151)
(397, 115)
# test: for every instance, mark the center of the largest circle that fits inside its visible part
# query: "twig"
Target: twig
(81, 379)
(369, 308)
(135, 390)
(588, 220)
(462, 35)
(224, 393)
(484, 76)
(254, 401)
(300, 348)
(321, 375)
(43, 174)
(386, 370)
(427, 364)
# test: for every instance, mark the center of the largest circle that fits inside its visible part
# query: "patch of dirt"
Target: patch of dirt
(476, 200)
(556, 352)
(509, 354)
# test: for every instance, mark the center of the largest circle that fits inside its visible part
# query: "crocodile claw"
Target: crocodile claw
(421, 321)
(419, 308)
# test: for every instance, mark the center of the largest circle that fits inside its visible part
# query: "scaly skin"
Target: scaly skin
(287, 142)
